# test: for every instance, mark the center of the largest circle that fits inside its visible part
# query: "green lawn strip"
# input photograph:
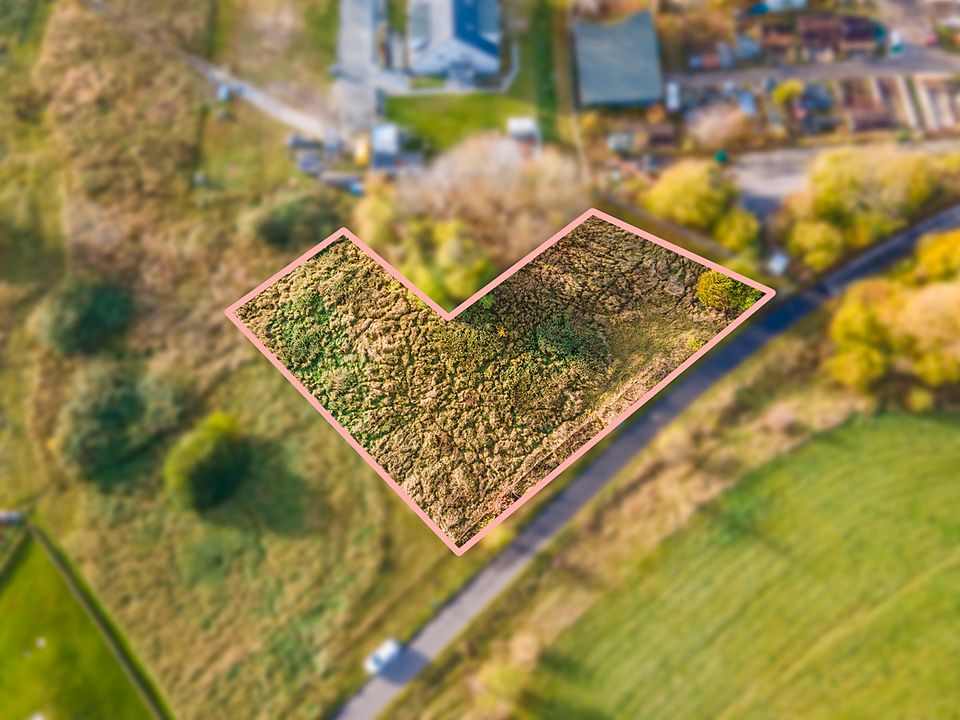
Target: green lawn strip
(54, 661)
(136, 673)
(822, 581)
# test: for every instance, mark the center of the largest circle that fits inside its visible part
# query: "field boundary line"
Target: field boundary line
(9, 558)
(136, 673)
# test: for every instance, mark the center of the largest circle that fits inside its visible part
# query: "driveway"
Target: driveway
(467, 605)
(355, 88)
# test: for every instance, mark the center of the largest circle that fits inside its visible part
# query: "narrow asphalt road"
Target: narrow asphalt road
(454, 618)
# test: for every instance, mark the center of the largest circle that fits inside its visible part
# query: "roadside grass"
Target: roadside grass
(445, 120)
(826, 580)
(53, 661)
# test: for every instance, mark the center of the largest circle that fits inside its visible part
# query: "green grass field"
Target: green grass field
(53, 662)
(445, 120)
(824, 585)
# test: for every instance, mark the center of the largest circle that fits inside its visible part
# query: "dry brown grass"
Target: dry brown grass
(467, 415)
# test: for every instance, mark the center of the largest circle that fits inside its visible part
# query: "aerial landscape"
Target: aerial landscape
(775, 534)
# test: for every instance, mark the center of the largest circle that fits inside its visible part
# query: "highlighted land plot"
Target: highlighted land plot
(468, 413)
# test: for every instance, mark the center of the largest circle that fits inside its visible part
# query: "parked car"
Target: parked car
(380, 658)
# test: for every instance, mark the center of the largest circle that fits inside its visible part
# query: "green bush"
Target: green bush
(83, 314)
(722, 292)
(111, 416)
(301, 220)
(739, 230)
(207, 464)
(694, 193)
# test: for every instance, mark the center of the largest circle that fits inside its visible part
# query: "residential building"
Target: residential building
(457, 38)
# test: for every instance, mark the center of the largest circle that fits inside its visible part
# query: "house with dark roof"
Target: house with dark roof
(618, 63)
(454, 37)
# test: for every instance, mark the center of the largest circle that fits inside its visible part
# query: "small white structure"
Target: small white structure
(778, 262)
(524, 129)
(382, 656)
(454, 37)
(385, 139)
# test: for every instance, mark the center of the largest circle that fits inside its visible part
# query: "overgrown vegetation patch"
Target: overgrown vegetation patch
(468, 414)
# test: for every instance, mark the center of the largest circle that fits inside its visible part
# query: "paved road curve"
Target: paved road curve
(505, 567)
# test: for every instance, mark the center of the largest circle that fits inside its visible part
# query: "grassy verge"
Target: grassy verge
(53, 660)
(823, 581)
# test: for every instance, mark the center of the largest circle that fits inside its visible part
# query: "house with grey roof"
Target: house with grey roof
(617, 63)
(459, 38)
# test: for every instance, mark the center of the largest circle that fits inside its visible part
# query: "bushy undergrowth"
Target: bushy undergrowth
(112, 415)
(207, 464)
(83, 314)
(722, 292)
(858, 196)
(698, 194)
(301, 220)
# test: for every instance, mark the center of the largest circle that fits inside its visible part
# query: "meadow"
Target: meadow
(468, 414)
(54, 663)
(826, 579)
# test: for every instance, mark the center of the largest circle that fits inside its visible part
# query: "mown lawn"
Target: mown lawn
(53, 662)
(445, 120)
(824, 585)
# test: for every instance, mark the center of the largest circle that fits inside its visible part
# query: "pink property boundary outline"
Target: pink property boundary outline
(231, 313)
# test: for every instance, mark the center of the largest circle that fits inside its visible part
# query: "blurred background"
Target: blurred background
(777, 536)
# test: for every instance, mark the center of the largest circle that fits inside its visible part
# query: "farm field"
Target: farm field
(445, 119)
(562, 347)
(824, 584)
(54, 663)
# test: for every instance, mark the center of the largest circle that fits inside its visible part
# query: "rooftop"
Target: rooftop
(618, 63)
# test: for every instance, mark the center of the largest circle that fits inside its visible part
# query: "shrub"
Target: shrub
(722, 292)
(207, 464)
(110, 417)
(559, 339)
(819, 244)
(301, 220)
(82, 315)
(739, 230)
(693, 192)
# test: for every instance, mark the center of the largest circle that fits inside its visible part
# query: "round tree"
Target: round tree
(82, 315)
(207, 464)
